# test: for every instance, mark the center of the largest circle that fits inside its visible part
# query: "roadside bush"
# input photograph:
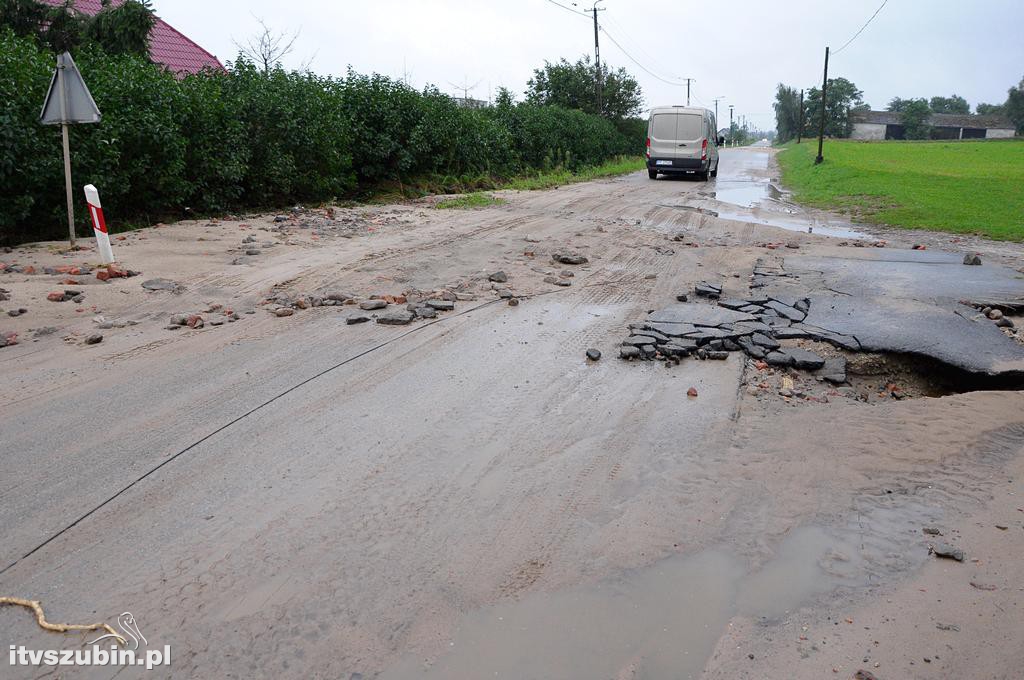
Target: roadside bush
(220, 141)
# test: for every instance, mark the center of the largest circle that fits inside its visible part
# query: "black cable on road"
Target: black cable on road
(220, 429)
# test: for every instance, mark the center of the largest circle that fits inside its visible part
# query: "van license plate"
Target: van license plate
(663, 162)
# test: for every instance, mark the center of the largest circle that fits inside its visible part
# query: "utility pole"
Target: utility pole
(730, 125)
(688, 80)
(800, 126)
(821, 125)
(716, 100)
(598, 86)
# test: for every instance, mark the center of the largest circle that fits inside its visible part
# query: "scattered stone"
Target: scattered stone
(650, 277)
(972, 259)
(995, 314)
(779, 359)
(159, 284)
(565, 283)
(593, 354)
(498, 277)
(931, 531)
(717, 355)
(682, 297)
(194, 321)
(692, 392)
(1004, 322)
(948, 551)
(398, 317)
(94, 339)
(708, 290)
(56, 297)
(805, 359)
(368, 305)
(864, 675)
(629, 352)
(284, 311)
(441, 305)
(948, 626)
(504, 293)
(16, 312)
(513, 302)
(425, 312)
(253, 251)
(569, 258)
(357, 318)
(762, 340)
(834, 370)
(337, 296)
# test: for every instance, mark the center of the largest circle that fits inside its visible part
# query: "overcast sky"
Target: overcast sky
(737, 50)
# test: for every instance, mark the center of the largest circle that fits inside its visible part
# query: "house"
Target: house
(167, 45)
(888, 125)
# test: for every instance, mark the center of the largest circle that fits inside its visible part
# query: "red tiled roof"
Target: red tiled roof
(167, 45)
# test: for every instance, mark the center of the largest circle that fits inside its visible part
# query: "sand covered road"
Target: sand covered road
(469, 496)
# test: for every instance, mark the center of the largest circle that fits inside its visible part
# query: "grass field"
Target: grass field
(961, 187)
(546, 180)
(477, 199)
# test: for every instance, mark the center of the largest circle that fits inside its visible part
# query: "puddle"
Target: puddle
(752, 194)
(794, 223)
(657, 622)
(745, 194)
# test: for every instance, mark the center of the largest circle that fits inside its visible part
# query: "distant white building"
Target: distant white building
(888, 125)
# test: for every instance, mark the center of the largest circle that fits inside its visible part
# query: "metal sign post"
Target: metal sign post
(68, 101)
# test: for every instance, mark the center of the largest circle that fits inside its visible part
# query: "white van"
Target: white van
(682, 140)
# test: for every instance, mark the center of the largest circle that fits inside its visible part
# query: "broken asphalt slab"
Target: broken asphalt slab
(908, 301)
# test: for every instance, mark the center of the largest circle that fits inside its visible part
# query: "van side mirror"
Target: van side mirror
(721, 141)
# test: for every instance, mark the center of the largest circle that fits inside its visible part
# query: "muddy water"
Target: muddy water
(744, 183)
(657, 622)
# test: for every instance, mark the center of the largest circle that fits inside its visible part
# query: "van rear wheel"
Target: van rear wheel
(653, 174)
(714, 173)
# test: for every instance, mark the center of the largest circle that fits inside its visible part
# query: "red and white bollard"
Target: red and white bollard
(99, 225)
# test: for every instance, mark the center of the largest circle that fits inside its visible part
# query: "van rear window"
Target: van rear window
(677, 126)
(689, 126)
(664, 126)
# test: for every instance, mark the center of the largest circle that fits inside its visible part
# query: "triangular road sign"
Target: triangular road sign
(76, 105)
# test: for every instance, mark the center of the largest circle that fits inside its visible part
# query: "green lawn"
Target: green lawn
(961, 187)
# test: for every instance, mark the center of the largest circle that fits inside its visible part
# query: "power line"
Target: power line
(634, 43)
(861, 28)
(633, 59)
(569, 9)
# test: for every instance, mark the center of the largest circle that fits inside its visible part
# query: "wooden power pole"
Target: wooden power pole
(821, 125)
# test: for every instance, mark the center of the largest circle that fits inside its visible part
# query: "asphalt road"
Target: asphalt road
(310, 499)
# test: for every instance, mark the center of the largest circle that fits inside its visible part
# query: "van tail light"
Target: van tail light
(648, 147)
(704, 150)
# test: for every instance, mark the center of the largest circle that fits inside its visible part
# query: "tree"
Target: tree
(1015, 106)
(983, 109)
(24, 17)
(952, 104)
(914, 118)
(123, 29)
(787, 112)
(897, 104)
(267, 48)
(843, 97)
(572, 86)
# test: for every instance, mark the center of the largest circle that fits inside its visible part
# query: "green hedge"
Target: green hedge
(215, 142)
